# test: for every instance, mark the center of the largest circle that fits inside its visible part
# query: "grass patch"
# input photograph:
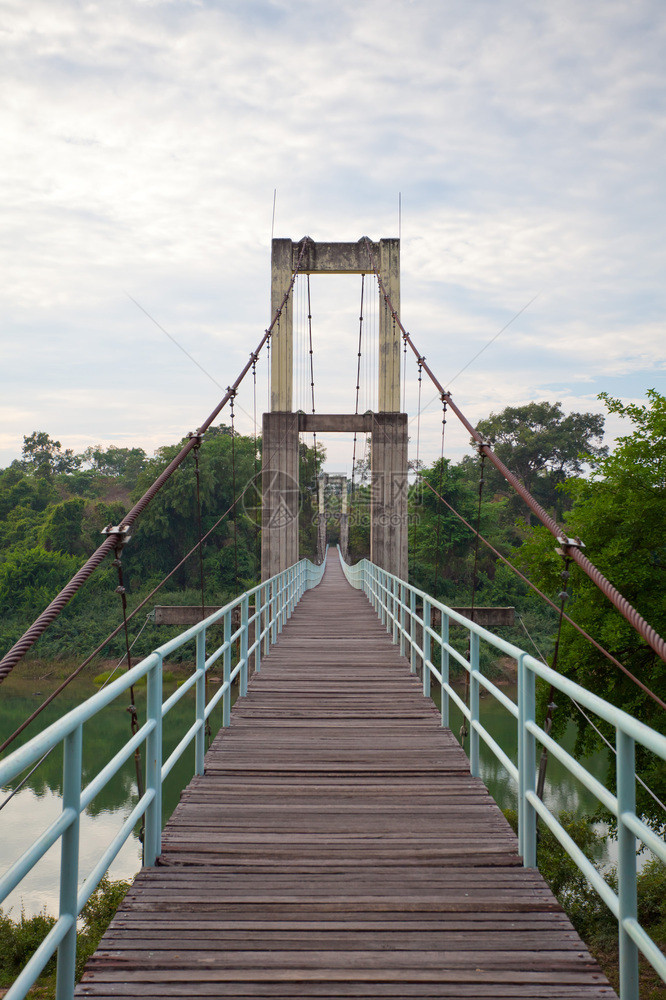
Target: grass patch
(20, 939)
(588, 913)
(167, 678)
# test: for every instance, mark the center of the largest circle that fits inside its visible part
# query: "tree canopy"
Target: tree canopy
(618, 512)
(543, 447)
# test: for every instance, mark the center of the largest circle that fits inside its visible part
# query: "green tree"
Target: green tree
(542, 447)
(61, 531)
(122, 463)
(619, 514)
(43, 456)
(441, 547)
(310, 462)
(168, 528)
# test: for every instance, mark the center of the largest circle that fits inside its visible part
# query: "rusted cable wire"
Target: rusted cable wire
(91, 656)
(28, 639)
(533, 586)
(572, 547)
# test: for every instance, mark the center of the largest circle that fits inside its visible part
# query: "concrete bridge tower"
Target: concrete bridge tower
(387, 427)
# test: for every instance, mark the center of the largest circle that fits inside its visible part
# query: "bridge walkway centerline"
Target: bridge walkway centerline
(337, 846)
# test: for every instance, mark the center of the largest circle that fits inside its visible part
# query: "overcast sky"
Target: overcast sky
(142, 143)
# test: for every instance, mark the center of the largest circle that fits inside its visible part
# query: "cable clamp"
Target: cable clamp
(197, 437)
(568, 543)
(121, 531)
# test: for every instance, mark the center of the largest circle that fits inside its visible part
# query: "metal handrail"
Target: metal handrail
(395, 602)
(263, 612)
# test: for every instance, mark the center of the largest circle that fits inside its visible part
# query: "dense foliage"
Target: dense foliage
(19, 939)
(54, 505)
(589, 914)
(619, 513)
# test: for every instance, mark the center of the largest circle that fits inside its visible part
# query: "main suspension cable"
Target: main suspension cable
(119, 628)
(28, 639)
(533, 586)
(590, 722)
(572, 547)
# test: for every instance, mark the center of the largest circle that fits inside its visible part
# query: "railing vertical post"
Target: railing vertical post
(412, 630)
(426, 647)
(273, 605)
(626, 866)
(265, 617)
(403, 598)
(226, 667)
(245, 613)
(69, 862)
(256, 630)
(444, 668)
(526, 764)
(152, 846)
(395, 588)
(474, 704)
(200, 738)
(281, 600)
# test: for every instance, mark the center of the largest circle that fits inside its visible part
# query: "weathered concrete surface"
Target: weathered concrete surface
(280, 493)
(388, 494)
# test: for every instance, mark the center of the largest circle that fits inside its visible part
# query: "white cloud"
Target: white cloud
(143, 142)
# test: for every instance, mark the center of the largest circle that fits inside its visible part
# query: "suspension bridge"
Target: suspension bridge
(335, 840)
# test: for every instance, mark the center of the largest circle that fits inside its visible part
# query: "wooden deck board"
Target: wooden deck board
(338, 847)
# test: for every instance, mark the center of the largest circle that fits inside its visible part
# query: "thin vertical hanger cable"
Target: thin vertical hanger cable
(482, 459)
(358, 376)
(548, 721)
(257, 554)
(477, 535)
(404, 375)
(268, 374)
(233, 487)
(441, 484)
(418, 420)
(312, 384)
(121, 540)
(195, 452)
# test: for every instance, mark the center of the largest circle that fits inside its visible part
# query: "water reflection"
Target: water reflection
(561, 791)
(37, 803)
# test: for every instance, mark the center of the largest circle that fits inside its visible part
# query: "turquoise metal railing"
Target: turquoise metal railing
(395, 602)
(263, 612)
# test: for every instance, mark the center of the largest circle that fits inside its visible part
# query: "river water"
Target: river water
(37, 803)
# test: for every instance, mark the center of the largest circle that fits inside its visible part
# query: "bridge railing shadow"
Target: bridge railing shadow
(264, 610)
(406, 612)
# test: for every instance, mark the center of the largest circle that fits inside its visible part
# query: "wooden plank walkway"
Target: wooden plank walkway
(338, 847)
